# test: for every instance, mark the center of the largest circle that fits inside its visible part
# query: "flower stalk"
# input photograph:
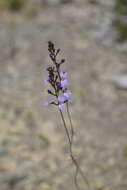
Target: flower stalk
(58, 82)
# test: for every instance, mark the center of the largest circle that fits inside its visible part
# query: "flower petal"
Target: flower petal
(63, 75)
(70, 99)
(46, 80)
(46, 103)
(67, 94)
(49, 102)
(61, 106)
(64, 83)
(61, 98)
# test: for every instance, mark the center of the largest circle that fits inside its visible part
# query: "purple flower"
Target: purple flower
(59, 85)
(64, 83)
(67, 94)
(46, 80)
(48, 102)
(70, 99)
(62, 98)
(63, 75)
(61, 106)
(57, 80)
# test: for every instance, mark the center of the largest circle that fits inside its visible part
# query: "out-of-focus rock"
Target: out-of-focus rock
(55, 2)
(50, 2)
(45, 186)
(120, 81)
(99, 185)
(13, 179)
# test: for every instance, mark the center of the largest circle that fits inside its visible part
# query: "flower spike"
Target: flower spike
(57, 79)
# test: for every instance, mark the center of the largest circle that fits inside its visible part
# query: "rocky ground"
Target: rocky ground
(33, 144)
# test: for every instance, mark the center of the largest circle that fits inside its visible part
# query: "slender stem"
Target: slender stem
(69, 117)
(67, 132)
(70, 139)
(79, 170)
(75, 179)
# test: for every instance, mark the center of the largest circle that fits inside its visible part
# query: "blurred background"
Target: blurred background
(92, 36)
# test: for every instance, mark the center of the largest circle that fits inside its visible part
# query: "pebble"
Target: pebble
(99, 185)
(45, 186)
(120, 81)
(5, 166)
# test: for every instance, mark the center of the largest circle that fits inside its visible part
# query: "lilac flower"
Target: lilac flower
(67, 94)
(64, 83)
(63, 75)
(57, 80)
(61, 106)
(46, 80)
(62, 98)
(58, 84)
(70, 99)
(48, 102)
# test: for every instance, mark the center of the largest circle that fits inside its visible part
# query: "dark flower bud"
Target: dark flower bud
(56, 78)
(62, 61)
(58, 84)
(50, 44)
(51, 47)
(49, 91)
(51, 56)
(49, 68)
(58, 50)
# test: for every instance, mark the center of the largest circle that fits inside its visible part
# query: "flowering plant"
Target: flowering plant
(61, 97)
(58, 80)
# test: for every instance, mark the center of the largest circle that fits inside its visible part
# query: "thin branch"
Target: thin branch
(69, 117)
(70, 138)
